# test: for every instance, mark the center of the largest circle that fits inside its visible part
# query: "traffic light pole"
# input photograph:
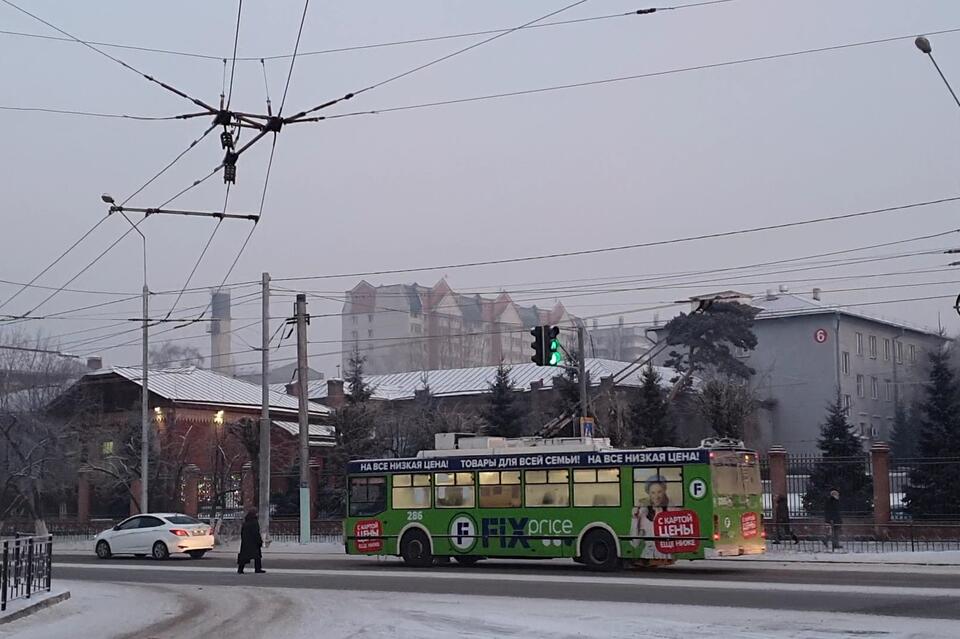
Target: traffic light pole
(304, 421)
(582, 376)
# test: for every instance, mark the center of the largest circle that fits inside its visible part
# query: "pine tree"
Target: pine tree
(567, 386)
(934, 490)
(502, 414)
(843, 466)
(650, 424)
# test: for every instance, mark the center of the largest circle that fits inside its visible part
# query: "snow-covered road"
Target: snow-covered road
(107, 611)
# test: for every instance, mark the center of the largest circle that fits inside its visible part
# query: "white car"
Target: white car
(155, 534)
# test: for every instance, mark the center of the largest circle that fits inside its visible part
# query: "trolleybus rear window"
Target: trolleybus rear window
(368, 496)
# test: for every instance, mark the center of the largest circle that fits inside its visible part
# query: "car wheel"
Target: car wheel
(196, 554)
(415, 549)
(599, 551)
(160, 551)
(103, 550)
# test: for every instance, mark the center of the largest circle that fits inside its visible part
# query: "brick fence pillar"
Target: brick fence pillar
(83, 495)
(778, 471)
(880, 462)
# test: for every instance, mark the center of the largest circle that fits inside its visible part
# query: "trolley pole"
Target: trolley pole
(264, 456)
(582, 375)
(302, 374)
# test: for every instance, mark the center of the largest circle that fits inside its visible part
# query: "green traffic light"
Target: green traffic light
(556, 357)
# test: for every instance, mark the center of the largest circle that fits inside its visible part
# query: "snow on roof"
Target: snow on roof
(192, 385)
(792, 305)
(472, 381)
(317, 433)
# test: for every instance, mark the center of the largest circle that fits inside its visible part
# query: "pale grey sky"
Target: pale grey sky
(650, 159)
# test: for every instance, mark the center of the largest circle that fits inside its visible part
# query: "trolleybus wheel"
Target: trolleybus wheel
(415, 549)
(599, 551)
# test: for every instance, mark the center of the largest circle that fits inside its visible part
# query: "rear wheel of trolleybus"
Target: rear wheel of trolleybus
(598, 551)
(415, 549)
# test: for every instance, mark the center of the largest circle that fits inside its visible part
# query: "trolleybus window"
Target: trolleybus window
(411, 492)
(368, 496)
(596, 487)
(500, 489)
(454, 490)
(658, 488)
(547, 488)
(735, 474)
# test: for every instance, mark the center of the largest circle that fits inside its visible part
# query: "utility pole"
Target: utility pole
(302, 319)
(145, 406)
(265, 408)
(582, 375)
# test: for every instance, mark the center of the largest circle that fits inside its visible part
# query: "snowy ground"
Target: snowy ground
(941, 557)
(107, 611)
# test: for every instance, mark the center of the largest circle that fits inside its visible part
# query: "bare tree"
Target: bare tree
(727, 405)
(37, 450)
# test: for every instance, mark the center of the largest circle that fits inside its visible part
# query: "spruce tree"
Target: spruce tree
(843, 466)
(934, 490)
(358, 391)
(502, 415)
(649, 422)
(903, 437)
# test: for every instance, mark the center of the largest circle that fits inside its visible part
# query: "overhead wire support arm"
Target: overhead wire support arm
(159, 211)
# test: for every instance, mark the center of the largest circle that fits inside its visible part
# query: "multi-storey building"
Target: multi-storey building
(408, 327)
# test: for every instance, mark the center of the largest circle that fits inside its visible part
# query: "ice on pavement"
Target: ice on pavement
(105, 611)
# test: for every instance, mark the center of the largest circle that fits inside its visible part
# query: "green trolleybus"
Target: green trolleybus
(473, 498)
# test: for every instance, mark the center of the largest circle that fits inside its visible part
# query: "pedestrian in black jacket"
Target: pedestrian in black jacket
(831, 515)
(250, 544)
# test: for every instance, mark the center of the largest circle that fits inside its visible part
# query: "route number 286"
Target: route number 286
(414, 515)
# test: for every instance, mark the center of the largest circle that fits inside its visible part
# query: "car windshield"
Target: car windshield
(183, 519)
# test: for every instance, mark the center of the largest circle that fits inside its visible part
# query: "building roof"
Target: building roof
(792, 305)
(473, 381)
(198, 386)
(318, 434)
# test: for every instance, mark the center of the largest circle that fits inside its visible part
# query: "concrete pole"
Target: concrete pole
(145, 407)
(304, 418)
(581, 348)
(264, 460)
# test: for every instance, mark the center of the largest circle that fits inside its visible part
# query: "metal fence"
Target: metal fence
(862, 537)
(25, 567)
(924, 489)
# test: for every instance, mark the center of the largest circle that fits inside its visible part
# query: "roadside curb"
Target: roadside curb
(35, 607)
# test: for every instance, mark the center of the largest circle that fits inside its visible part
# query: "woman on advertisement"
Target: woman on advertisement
(658, 501)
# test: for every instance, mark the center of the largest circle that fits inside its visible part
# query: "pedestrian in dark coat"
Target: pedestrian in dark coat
(781, 519)
(831, 515)
(250, 544)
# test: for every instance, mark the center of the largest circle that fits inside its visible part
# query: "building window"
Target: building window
(369, 332)
(845, 362)
(416, 328)
(354, 335)
(899, 352)
(860, 344)
(847, 403)
(500, 489)
(106, 448)
(888, 388)
(886, 349)
(859, 385)
(370, 318)
(874, 431)
(873, 346)
(874, 388)
(863, 429)
(354, 318)
(454, 490)
(913, 353)
(547, 488)
(596, 487)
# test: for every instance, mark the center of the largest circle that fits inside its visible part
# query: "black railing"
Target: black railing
(25, 567)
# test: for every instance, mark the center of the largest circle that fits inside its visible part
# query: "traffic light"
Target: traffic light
(554, 354)
(546, 346)
(538, 346)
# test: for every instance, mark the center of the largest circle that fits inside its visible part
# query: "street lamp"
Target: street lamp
(924, 45)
